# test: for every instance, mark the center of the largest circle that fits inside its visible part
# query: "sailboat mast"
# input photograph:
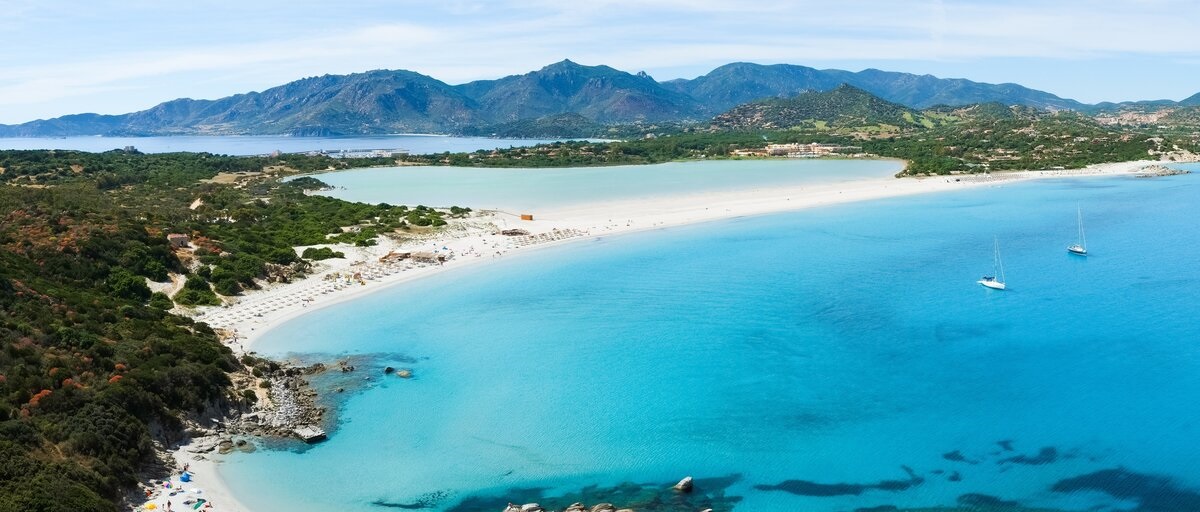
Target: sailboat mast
(1082, 237)
(999, 263)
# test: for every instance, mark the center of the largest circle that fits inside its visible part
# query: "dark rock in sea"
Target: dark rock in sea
(957, 456)
(427, 500)
(954, 477)
(402, 506)
(707, 493)
(389, 370)
(1154, 493)
(684, 485)
(983, 501)
(1005, 444)
(807, 488)
(1047, 455)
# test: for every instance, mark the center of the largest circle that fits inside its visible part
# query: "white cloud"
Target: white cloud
(462, 40)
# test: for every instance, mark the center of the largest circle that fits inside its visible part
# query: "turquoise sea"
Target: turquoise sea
(823, 360)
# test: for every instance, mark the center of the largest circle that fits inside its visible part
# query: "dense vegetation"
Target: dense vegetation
(93, 366)
(88, 369)
(843, 107)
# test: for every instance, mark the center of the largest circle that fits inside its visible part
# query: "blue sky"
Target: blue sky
(70, 56)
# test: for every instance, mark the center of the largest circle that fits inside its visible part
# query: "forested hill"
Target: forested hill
(93, 366)
(843, 107)
(390, 101)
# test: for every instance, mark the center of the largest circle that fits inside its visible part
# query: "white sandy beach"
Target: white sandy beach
(476, 241)
(205, 485)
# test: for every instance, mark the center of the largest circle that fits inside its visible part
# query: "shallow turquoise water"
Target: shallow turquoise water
(531, 189)
(834, 345)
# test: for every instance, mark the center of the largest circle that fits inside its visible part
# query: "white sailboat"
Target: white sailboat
(1081, 247)
(996, 280)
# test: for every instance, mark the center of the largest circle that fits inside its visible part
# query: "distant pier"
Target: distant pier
(350, 153)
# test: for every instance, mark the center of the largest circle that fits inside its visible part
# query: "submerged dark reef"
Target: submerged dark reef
(707, 493)
(957, 456)
(807, 488)
(985, 502)
(1153, 493)
(427, 500)
(1047, 455)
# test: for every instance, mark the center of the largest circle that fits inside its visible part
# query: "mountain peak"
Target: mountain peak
(563, 65)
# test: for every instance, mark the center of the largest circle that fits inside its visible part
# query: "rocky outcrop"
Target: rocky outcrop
(1153, 171)
(528, 507)
(684, 485)
(574, 507)
(277, 273)
(289, 406)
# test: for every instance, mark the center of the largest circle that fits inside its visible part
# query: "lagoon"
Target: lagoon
(531, 189)
(823, 360)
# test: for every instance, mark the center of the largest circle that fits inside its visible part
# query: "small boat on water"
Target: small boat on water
(996, 280)
(1079, 248)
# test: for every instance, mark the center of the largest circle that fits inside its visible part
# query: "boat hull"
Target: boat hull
(995, 285)
(1077, 250)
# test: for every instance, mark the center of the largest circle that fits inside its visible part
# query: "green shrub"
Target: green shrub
(160, 300)
(321, 253)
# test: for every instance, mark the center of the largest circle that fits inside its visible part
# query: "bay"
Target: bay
(828, 359)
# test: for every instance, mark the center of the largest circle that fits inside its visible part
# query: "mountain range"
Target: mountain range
(387, 101)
